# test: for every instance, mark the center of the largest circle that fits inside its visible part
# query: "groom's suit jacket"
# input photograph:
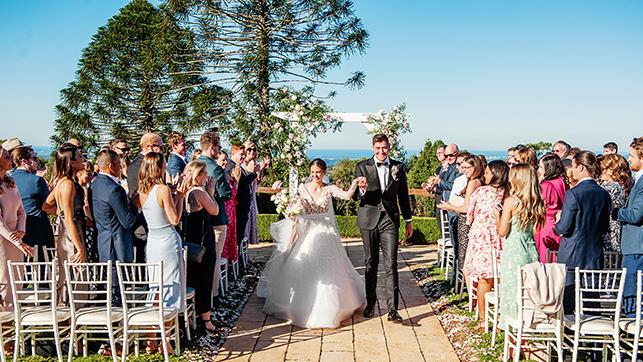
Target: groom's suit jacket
(374, 200)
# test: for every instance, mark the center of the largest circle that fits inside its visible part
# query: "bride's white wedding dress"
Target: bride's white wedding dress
(311, 281)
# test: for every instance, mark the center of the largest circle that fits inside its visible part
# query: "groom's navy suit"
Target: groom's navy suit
(379, 219)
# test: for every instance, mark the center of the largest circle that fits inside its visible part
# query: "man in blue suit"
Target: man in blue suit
(584, 220)
(114, 215)
(631, 218)
(176, 160)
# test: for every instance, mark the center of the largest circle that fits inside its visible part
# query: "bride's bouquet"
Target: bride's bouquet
(287, 205)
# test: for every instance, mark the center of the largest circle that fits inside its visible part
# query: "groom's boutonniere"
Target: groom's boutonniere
(395, 170)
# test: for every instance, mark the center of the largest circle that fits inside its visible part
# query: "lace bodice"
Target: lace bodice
(323, 202)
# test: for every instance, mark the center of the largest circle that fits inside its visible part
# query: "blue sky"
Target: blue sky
(485, 74)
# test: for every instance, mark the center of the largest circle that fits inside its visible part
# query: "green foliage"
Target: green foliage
(423, 165)
(344, 173)
(256, 46)
(423, 205)
(425, 229)
(540, 146)
(130, 81)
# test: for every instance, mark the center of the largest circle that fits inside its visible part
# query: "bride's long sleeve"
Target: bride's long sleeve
(338, 193)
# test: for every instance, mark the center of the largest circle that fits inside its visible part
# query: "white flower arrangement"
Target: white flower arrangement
(392, 124)
(287, 205)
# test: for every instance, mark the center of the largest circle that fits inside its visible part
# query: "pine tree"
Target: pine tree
(256, 46)
(129, 82)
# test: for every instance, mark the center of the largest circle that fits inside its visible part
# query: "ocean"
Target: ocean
(332, 156)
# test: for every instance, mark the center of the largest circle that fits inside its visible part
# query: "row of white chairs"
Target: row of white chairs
(141, 315)
(596, 324)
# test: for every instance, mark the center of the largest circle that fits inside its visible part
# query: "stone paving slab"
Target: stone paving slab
(257, 337)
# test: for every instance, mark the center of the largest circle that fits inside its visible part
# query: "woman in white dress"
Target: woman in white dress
(309, 280)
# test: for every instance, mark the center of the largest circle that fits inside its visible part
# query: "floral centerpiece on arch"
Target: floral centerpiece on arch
(393, 125)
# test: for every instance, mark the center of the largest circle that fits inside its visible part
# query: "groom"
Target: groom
(381, 189)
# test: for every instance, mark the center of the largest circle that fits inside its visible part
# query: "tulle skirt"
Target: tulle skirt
(310, 280)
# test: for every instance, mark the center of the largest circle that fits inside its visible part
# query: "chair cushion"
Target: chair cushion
(543, 327)
(596, 325)
(42, 315)
(97, 316)
(6, 317)
(143, 316)
(629, 326)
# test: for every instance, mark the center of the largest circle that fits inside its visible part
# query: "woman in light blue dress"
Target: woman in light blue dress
(162, 213)
(522, 212)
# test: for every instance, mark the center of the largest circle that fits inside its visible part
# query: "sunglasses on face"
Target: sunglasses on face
(252, 149)
(450, 155)
(127, 149)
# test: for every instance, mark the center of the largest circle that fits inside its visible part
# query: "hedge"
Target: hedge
(425, 229)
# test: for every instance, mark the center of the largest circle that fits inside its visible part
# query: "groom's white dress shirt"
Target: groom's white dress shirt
(382, 171)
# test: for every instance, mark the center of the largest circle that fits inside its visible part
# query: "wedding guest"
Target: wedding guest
(615, 179)
(199, 208)
(115, 215)
(483, 236)
(610, 148)
(631, 218)
(551, 174)
(67, 199)
(12, 229)
(569, 174)
(443, 183)
(584, 220)
(122, 149)
(150, 142)
(230, 249)
(528, 156)
(561, 149)
(246, 181)
(511, 156)
(176, 160)
(85, 178)
(210, 144)
(442, 166)
(162, 212)
(522, 212)
(251, 164)
(472, 170)
(34, 191)
(14, 143)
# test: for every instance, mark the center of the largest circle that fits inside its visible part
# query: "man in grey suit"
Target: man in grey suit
(631, 217)
(381, 188)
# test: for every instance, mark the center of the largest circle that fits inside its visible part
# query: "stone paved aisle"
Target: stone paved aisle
(257, 337)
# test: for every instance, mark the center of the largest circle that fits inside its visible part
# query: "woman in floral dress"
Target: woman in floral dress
(615, 179)
(483, 236)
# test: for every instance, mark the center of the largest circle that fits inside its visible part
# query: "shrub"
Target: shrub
(425, 229)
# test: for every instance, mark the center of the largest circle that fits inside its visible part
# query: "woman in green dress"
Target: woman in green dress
(522, 212)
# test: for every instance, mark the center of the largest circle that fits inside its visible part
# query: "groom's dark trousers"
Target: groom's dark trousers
(378, 219)
(384, 237)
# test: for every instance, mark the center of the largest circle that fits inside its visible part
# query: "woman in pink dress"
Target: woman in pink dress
(230, 249)
(483, 236)
(551, 174)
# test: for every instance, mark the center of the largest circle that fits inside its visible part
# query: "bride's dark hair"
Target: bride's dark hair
(319, 163)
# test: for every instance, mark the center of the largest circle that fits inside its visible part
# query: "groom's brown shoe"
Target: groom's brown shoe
(369, 311)
(393, 316)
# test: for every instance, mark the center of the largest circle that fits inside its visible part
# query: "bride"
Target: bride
(309, 279)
